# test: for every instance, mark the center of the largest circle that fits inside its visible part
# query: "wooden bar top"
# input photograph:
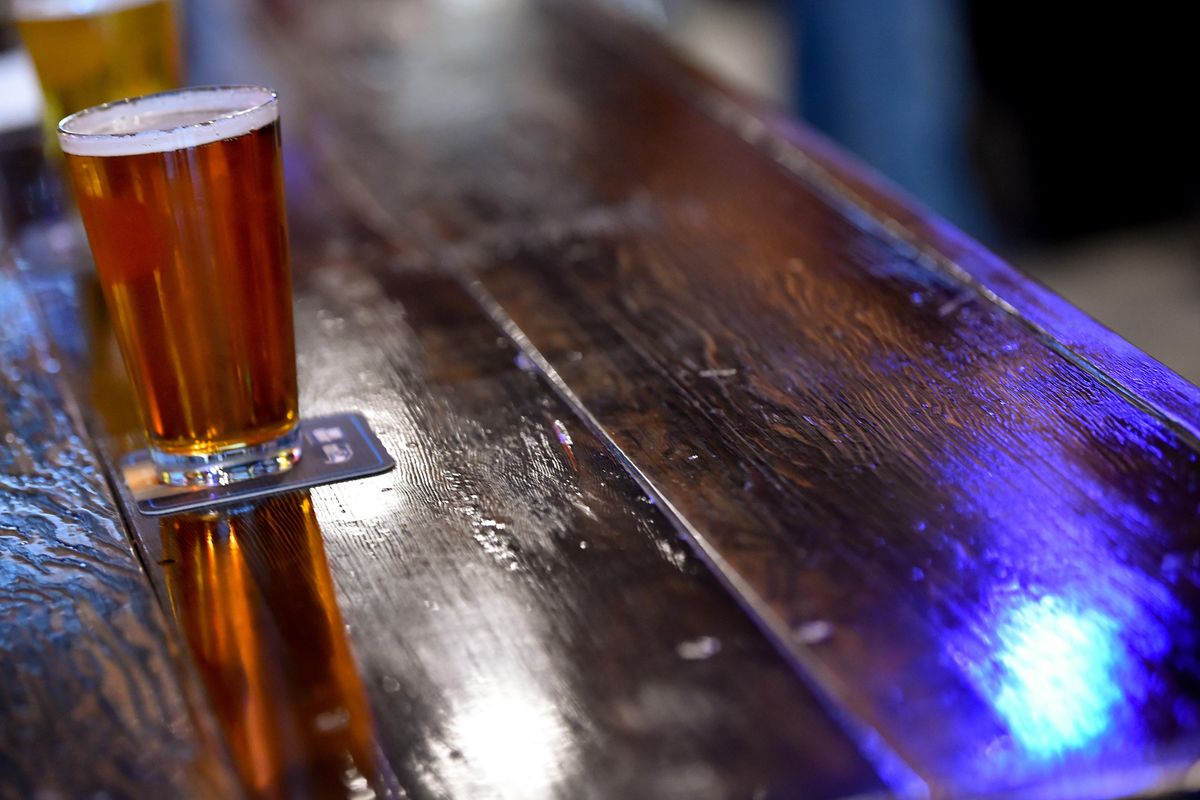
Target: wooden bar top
(724, 470)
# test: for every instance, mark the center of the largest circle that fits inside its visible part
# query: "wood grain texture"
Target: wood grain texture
(90, 703)
(965, 513)
(873, 200)
(525, 622)
(970, 520)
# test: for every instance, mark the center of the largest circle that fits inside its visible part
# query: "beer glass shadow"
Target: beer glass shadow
(254, 598)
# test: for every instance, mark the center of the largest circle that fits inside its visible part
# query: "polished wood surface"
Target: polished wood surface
(526, 623)
(938, 529)
(916, 486)
(253, 596)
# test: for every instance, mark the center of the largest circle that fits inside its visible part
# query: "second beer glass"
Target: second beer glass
(181, 194)
(93, 51)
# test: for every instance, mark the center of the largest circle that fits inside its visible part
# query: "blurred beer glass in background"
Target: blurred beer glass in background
(181, 194)
(93, 51)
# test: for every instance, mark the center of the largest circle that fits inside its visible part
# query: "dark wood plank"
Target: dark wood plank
(90, 702)
(979, 523)
(855, 188)
(525, 622)
(973, 530)
(966, 512)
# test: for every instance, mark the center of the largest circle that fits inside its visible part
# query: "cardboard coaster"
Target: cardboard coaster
(338, 447)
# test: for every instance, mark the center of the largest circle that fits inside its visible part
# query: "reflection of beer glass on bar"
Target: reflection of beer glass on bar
(93, 51)
(252, 592)
(181, 194)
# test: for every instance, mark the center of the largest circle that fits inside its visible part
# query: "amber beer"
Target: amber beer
(253, 596)
(92, 51)
(181, 194)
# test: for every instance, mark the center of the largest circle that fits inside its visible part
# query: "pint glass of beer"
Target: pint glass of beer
(92, 51)
(181, 194)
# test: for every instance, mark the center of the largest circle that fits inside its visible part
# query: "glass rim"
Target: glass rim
(48, 10)
(231, 120)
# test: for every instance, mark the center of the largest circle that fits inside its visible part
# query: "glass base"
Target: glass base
(229, 466)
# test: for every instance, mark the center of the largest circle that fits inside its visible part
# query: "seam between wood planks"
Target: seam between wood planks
(458, 260)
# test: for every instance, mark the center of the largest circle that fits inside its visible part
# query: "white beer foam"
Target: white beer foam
(33, 10)
(175, 120)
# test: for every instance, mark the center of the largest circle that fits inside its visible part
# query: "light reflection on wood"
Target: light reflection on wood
(252, 593)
